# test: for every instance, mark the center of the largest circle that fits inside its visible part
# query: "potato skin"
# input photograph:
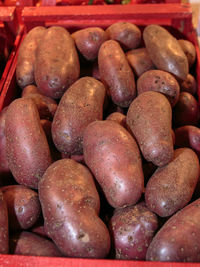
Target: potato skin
(30, 89)
(81, 104)
(57, 64)
(132, 231)
(159, 81)
(70, 205)
(178, 239)
(89, 40)
(26, 57)
(27, 149)
(149, 118)
(23, 206)
(118, 117)
(189, 50)
(113, 156)
(4, 235)
(127, 34)
(189, 85)
(30, 244)
(171, 187)
(165, 51)
(116, 73)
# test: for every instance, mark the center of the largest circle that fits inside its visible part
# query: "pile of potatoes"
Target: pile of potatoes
(99, 157)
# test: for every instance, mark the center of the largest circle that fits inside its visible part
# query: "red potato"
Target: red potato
(30, 89)
(114, 158)
(116, 73)
(189, 50)
(95, 71)
(30, 244)
(118, 117)
(186, 111)
(159, 81)
(79, 106)
(26, 57)
(23, 206)
(132, 231)
(89, 40)
(178, 239)
(127, 34)
(56, 64)
(140, 60)
(4, 235)
(165, 51)
(171, 187)
(70, 205)
(149, 118)
(39, 230)
(189, 85)
(27, 149)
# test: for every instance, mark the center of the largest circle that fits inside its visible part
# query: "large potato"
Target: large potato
(4, 235)
(56, 64)
(171, 187)
(81, 104)
(70, 205)
(116, 73)
(178, 239)
(114, 158)
(165, 51)
(27, 149)
(149, 118)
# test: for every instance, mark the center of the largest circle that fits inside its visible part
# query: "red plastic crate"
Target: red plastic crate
(176, 17)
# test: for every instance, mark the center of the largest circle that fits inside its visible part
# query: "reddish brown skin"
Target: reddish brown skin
(118, 117)
(95, 71)
(149, 118)
(165, 51)
(4, 235)
(127, 34)
(79, 106)
(70, 205)
(57, 63)
(189, 85)
(78, 158)
(30, 89)
(188, 136)
(26, 57)
(140, 61)
(113, 156)
(186, 111)
(27, 148)
(89, 40)
(178, 239)
(189, 50)
(23, 206)
(132, 230)
(159, 81)
(171, 187)
(30, 244)
(116, 73)
(39, 230)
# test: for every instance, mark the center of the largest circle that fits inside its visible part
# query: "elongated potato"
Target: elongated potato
(81, 104)
(116, 73)
(70, 205)
(56, 64)
(165, 51)
(26, 57)
(189, 50)
(171, 187)
(114, 158)
(178, 239)
(4, 235)
(27, 149)
(149, 118)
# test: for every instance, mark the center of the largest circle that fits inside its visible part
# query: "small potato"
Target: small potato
(165, 51)
(118, 117)
(149, 118)
(178, 239)
(113, 156)
(186, 111)
(30, 244)
(116, 73)
(30, 89)
(70, 205)
(159, 81)
(27, 148)
(189, 85)
(89, 40)
(4, 235)
(189, 50)
(171, 187)
(132, 230)
(127, 34)
(23, 206)
(140, 60)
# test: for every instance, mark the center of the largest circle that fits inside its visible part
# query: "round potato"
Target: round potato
(189, 85)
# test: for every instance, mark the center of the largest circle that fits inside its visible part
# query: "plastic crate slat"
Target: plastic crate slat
(7, 13)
